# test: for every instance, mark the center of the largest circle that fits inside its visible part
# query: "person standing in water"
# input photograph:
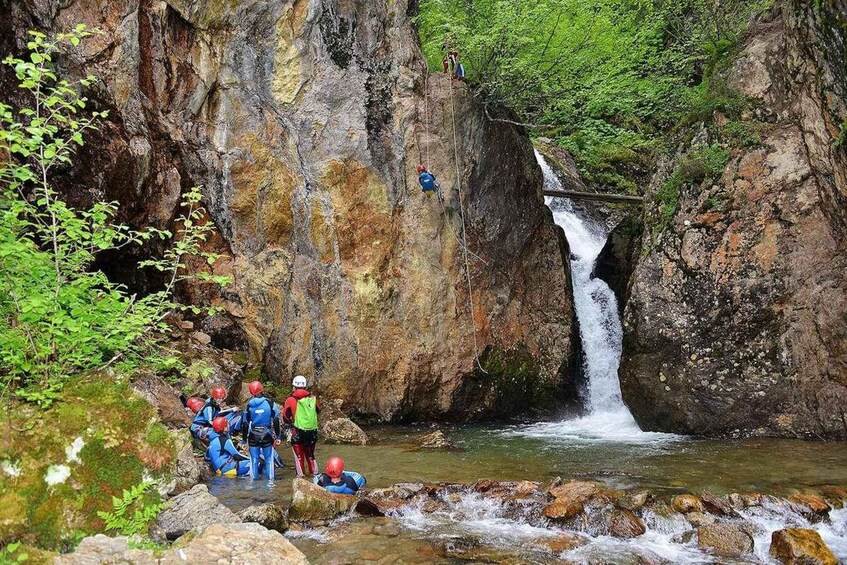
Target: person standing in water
(300, 416)
(260, 429)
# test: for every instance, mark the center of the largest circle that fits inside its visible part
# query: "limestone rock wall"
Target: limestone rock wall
(737, 318)
(303, 120)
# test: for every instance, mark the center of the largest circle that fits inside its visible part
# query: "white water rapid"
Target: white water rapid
(608, 418)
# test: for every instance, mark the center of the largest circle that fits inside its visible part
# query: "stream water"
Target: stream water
(603, 444)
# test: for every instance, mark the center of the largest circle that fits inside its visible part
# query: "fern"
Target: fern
(132, 512)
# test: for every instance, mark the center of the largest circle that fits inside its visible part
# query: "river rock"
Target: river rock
(633, 500)
(725, 540)
(684, 503)
(271, 515)
(835, 495)
(310, 502)
(624, 524)
(563, 510)
(812, 506)
(563, 542)
(698, 519)
(716, 504)
(343, 430)
(237, 544)
(192, 509)
(576, 491)
(796, 546)
(433, 440)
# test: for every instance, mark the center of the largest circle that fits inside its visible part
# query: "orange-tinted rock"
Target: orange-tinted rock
(684, 503)
(624, 524)
(795, 546)
(815, 503)
(576, 491)
(562, 510)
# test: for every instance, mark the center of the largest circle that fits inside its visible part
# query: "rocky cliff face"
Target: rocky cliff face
(304, 121)
(737, 311)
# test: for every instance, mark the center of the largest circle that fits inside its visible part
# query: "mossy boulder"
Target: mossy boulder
(62, 465)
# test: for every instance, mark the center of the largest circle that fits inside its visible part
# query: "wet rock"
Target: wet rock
(749, 499)
(344, 431)
(725, 540)
(562, 542)
(310, 502)
(624, 524)
(835, 495)
(188, 470)
(433, 440)
(633, 500)
(192, 509)
(563, 510)
(576, 491)
(166, 400)
(716, 505)
(698, 519)
(812, 506)
(271, 515)
(796, 546)
(239, 544)
(684, 503)
(368, 507)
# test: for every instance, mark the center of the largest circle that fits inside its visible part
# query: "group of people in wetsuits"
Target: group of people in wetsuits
(261, 426)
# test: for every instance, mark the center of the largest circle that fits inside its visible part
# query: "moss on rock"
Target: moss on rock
(96, 440)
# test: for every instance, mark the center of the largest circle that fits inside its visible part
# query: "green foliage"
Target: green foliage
(10, 554)
(59, 316)
(607, 79)
(703, 164)
(841, 141)
(143, 510)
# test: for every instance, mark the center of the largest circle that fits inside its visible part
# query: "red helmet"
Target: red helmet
(421, 168)
(219, 424)
(195, 404)
(335, 467)
(219, 393)
(255, 388)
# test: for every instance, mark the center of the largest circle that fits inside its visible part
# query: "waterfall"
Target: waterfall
(600, 331)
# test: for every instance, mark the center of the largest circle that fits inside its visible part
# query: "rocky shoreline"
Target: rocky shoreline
(566, 515)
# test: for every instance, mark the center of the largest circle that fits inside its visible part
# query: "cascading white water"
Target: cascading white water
(600, 329)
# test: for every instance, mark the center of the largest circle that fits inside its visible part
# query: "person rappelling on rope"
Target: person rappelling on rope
(428, 184)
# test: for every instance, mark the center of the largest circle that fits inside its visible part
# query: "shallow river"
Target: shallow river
(541, 452)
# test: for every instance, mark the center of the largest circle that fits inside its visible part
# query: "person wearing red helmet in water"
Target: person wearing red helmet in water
(202, 424)
(300, 416)
(222, 454)
(336, 479)
(260, 429)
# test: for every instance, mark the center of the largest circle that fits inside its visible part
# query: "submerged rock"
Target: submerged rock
(796, 546)
(192, 509)
(237, 544)
(271, 515)
(725, 540)
(433, 440)
(310, 502)
(563, 542)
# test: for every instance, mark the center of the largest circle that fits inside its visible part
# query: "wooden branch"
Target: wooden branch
(594, 196)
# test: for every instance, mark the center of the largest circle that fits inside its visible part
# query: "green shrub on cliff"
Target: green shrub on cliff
(58, 315)
(609, 80)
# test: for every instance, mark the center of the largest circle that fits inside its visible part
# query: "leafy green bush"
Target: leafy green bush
(58, 315)
(139, 502)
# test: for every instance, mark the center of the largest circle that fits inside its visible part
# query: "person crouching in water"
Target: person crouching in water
(300, 415)
(206, 412)
(260, 429)
(335, 479)
(222, 453)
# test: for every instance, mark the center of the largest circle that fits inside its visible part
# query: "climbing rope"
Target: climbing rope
(464, 228)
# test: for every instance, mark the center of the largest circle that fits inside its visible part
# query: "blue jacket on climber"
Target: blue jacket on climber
(427, 180)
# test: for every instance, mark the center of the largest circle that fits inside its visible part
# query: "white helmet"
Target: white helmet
(299, 381)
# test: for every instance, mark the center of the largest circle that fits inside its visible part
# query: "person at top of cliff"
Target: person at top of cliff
(453, 55)
(336, 479)
(460, 72)
(222, 454)
(260, 429)
(202, 424)
(300, 416)
(445, 64)
(427, 181)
